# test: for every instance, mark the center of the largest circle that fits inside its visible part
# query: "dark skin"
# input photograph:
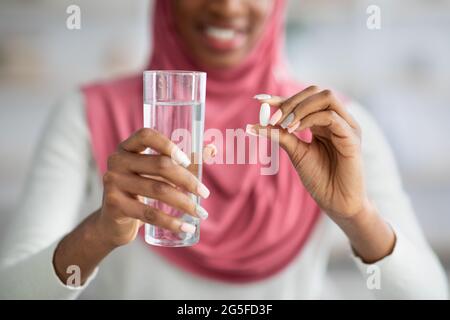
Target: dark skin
(246, 16)
(219, 34)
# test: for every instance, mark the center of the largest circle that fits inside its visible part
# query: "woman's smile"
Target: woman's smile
(223, 39)
(220, 34)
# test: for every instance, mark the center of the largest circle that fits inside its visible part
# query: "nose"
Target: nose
(226, 8)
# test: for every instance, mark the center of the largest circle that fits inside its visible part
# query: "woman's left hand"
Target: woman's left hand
(330, 166)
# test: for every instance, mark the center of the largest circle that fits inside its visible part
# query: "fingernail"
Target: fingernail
(264, 114)
(187, 227)
(262, 96)
(203, 191)
(250, 130)
(185, 236)
(201, 212)
(286, 122)
(294, 127)
(180, 157)
(213, 149)
(276, 117)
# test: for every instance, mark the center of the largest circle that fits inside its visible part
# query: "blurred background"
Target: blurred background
(401, 73)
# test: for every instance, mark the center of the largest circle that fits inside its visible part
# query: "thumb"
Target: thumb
(209, 152)
(288, 141)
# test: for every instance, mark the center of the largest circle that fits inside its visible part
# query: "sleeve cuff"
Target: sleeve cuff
(400, 274)
(71, 290)
(401, 249)
(35, 278)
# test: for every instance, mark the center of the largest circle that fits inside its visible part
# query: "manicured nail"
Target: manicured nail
(201, 212)
(202, 190)
(180, 157)
(262, 96)
(213, 149)
(185, 236)
(250, 130)
(276, 117)
(187, 227)
(264, 114)
(286, 122)
(294, 127)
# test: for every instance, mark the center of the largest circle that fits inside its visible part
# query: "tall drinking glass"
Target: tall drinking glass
(174, 105)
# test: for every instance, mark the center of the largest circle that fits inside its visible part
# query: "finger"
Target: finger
(288, 142)
(331, 120)
(274, 101)
(283, 115)
(148, 214)
(160, 168)
(209, 152)
(324, 100)
(148, 138)
(158, 190)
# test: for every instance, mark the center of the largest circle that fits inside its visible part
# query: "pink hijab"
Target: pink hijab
(257, 224)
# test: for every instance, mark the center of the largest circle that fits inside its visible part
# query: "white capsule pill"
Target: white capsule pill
(264, 114)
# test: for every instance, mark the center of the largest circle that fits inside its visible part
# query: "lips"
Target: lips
(223, 39)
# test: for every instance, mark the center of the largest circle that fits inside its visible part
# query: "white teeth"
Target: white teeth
(219, 33)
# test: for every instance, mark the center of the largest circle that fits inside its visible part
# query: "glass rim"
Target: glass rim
(175, 72)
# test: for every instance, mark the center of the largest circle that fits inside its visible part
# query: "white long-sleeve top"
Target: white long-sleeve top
(64, 187)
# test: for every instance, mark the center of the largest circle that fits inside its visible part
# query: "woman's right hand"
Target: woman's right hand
(131, 175)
